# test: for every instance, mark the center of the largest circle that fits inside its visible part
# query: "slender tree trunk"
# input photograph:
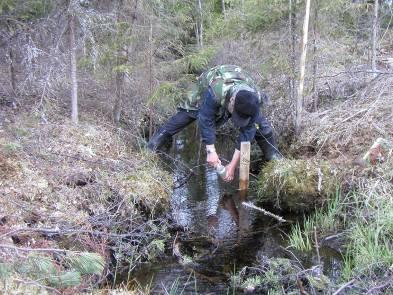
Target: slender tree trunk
(374, 39)
(74, 80)
(151, 77)
(292, 56)
(119, 98)
(12, 70)
(299, 100)
(119, 75)
(200, 23)
(315, 59)
(222, 7)
(197, 34)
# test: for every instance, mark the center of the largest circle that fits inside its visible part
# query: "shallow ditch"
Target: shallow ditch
(214, 236)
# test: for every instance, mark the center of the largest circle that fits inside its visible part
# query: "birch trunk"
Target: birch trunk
(299, 100)
(200, 23)
(315, 60)
(374, 39)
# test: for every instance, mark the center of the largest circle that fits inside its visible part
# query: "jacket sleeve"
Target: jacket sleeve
(247, 133)
(206, 117)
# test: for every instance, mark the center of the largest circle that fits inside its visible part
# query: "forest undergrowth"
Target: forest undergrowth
(79, 204)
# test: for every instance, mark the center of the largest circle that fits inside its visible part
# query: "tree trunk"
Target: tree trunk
(315, 60)
(151, 123)
(292, 56)
(299, 100)
(12, 70)
(74, 80)
(197, 34)
(374, 39)
(200, 23)
(222, 7)
(119, 75)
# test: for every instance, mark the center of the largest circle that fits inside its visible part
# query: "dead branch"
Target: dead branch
(73, 232)
(344, 286)
(252, 206)
(38, 285)
(382, 286)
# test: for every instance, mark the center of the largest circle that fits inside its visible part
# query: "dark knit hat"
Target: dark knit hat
(246, 107)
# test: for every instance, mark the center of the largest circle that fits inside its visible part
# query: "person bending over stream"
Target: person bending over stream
(220, 93)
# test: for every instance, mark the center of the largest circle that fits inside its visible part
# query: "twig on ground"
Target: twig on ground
(384, 285)
(70, 232)
(252, 206)
(344, 286)
(38, 285)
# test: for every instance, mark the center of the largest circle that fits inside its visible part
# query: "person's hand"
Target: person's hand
(230, 172)
(212, 159)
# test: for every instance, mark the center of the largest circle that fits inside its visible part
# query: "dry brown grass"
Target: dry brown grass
(345, 132)
(82, 187)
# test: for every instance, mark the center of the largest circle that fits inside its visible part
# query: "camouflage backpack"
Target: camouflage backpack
(225, 81)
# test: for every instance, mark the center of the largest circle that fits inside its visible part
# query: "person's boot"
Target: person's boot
(158, 140)
(269, 147)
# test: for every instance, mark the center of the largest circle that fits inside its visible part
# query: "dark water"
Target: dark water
(217, 235)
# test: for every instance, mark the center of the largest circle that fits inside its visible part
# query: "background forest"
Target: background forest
(84, 83)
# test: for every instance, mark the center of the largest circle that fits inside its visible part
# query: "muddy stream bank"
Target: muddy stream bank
(213, 235)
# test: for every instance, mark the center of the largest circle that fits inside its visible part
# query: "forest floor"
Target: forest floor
(80, 189)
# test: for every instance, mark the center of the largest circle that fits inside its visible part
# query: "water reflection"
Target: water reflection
(180, 201)
(205, 204)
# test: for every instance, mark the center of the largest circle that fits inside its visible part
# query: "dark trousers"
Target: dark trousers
(184, 118)
(179, 121)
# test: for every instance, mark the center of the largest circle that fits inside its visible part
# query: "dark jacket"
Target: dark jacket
(210, 97)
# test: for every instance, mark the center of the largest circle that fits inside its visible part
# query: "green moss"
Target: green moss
(296, 184)
(149, 185)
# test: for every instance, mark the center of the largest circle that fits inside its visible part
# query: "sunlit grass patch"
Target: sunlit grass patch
(370, 252)
(323, 221)
(299, 238)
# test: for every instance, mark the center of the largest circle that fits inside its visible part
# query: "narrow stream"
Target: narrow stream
(217, 235)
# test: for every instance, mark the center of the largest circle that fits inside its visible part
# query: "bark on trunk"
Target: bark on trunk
(151, 123)
(315, 60)
(12, 71)
(374, 39)
(74, 80)
(292, 56)
(200, 23)
(299, 101)
(119, 75)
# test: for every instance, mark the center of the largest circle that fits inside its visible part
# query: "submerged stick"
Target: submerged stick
(252, 206)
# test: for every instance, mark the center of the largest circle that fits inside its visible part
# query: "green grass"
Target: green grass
(370, 229)
(299, 239)
(323, 221)
(370, 252)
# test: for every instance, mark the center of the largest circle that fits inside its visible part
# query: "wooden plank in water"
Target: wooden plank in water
(244, 173)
